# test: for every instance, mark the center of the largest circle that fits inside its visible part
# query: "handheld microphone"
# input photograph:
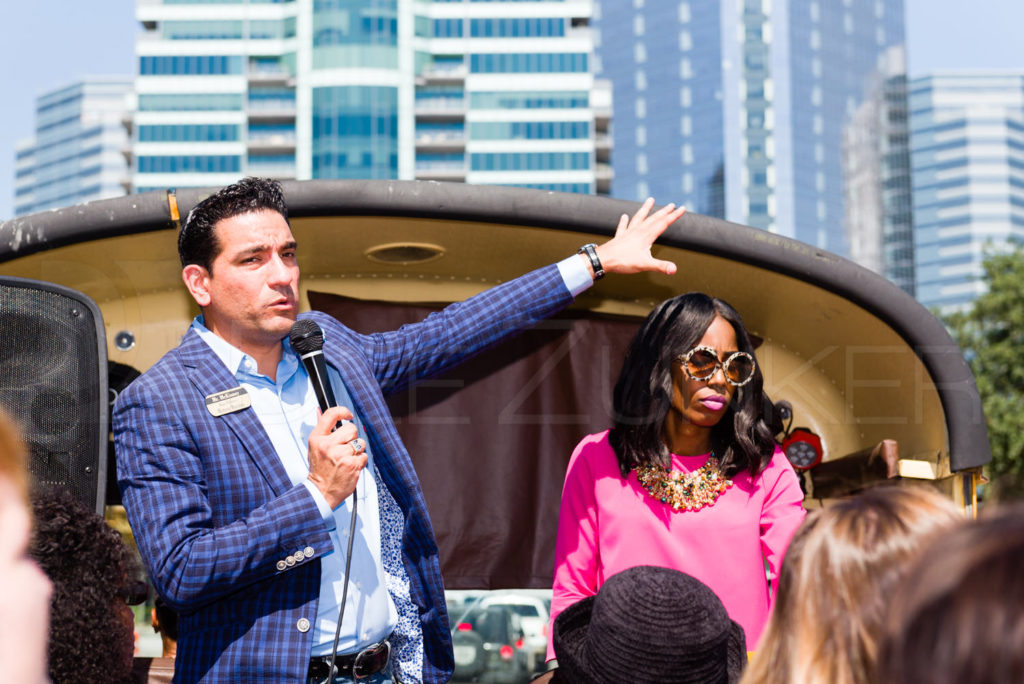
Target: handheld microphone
(307, 339)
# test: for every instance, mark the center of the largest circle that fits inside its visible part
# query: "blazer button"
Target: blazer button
(281, 565)
(289, 560)
(302, 625)
(308, 552)
(298, 557)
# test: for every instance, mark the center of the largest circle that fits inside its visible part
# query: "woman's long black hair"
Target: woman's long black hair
(742, 440)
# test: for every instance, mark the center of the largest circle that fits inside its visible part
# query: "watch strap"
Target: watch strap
(590, 250)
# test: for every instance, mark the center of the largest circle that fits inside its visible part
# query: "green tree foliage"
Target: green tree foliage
(991, 335)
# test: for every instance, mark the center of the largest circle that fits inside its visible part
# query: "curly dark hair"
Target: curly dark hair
(92, 638)
(743, 440)
(197, 241)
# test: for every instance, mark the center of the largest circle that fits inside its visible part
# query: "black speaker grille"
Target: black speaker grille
(53, 381)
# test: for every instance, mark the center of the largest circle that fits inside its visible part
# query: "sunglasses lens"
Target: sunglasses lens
(701, 364)
(739, 368)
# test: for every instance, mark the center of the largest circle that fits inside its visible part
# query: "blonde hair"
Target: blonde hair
(836, 580)
(13, 456)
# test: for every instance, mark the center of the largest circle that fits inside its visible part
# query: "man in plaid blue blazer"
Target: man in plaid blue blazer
(240, 493)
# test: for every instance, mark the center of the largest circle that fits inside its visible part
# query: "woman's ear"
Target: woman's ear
(197, 280)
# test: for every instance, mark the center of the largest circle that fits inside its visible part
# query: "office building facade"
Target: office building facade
(967, 156)
(878, 210)
(467, 90)
(737, 109)
(78, 151)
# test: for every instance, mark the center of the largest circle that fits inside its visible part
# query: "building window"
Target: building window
(189, 133)
(355, 132)
(446, 28)
(190, 164)
(578, 188)
(201, 30)
(530, 62)
(190, 65)
(543, 27)
(529, 130)
(532, 99)
(183, 102)
(530, 161)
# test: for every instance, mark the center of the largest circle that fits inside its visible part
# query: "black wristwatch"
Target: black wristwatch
(590, 249)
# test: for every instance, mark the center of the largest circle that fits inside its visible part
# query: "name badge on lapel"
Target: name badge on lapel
(228, 401)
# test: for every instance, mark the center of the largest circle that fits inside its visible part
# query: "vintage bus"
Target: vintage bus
(871, 384)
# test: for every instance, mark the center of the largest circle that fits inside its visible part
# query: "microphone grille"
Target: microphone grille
(306, 336)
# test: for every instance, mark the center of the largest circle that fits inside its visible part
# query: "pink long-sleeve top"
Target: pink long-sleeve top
(608, 524)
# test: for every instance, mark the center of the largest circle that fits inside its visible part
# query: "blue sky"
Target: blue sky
(48, 44)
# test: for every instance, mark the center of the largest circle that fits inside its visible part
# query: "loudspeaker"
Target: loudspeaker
(53, 382)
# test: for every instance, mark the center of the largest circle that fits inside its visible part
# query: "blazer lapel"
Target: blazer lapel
(363, 390)
(209, 376)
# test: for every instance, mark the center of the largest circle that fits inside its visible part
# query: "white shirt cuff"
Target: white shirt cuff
(321, 503)
(575, 274)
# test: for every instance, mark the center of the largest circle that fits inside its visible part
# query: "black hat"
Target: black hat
(649, 624)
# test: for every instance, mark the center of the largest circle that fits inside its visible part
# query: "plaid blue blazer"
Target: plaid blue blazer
(213, 511)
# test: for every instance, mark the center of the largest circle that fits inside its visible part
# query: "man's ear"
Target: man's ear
(197, 280)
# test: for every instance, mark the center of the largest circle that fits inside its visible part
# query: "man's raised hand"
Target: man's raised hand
(630, 250)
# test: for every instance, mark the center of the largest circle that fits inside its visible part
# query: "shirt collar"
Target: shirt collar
(238, 362)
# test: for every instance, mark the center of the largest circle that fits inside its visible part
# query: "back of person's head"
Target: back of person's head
(958, 616)
(838, 575)
(649, 625)
(642, 397)
(197, 241)
(25, 590)
(92, 632)
(167, 619)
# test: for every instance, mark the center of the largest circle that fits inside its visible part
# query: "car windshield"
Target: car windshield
(524, 611)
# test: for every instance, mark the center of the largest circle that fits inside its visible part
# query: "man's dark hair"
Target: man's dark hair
(93, 573)
(168, 619)
(197, 241)
(743, 440)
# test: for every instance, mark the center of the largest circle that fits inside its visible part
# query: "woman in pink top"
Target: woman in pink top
(690, 476)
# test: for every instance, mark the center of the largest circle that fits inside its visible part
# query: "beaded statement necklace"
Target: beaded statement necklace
(687, 491)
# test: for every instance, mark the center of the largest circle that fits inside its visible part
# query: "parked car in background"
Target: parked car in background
(488, 644)
(534, 610)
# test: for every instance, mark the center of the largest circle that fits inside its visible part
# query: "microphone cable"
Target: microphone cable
(307, 338)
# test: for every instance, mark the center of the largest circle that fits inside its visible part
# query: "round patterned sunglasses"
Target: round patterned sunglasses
(702, 362)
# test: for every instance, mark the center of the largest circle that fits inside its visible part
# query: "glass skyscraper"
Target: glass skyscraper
(879, 220)
(967, 142)
(497, 92)
(737, 109)
(78, 150)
